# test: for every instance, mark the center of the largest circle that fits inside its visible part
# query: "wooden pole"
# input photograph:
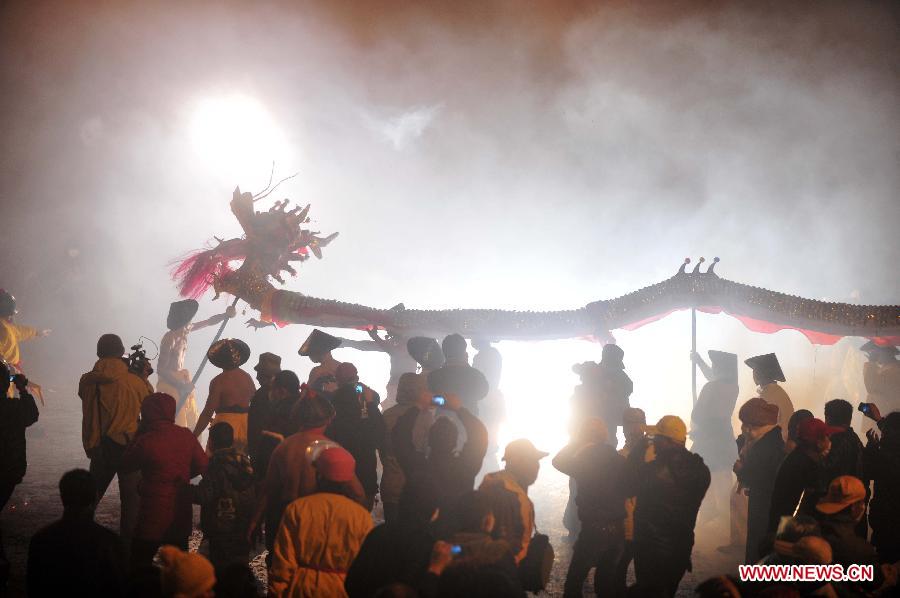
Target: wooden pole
(183, 398)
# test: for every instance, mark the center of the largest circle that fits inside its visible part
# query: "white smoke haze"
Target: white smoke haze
(511, 155)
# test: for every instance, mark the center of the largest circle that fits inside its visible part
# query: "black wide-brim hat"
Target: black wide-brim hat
(872, 347)
(318, 343)
(426, 351)
(228, 353)
(766, 366)
(181, 313)
(724, 364)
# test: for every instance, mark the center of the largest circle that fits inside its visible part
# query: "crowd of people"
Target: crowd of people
(302, 465)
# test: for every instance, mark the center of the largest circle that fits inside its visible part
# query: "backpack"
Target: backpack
(230, 495)
(534, 569)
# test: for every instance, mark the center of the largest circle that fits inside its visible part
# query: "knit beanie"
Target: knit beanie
(185, 574)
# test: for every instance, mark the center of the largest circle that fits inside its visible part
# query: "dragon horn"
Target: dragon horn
(684, 264)
(712, 266)
(327, 240)
(697, 266)
(303, 213)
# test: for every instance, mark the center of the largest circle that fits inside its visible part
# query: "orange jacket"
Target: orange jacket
(318, 539)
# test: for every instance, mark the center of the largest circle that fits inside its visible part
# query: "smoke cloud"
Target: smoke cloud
(512, 155)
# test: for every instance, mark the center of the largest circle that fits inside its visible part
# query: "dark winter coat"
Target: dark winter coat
(16, 414)
(75, 555)
(391, 553)
(168, 456)
(276, 422)
(455, 474)
(668, 493)
(799, 475)
(226, 494)
(881, 463)
(257, 415)
(463, 380)
(848, 547)
(845, 456)
(761, 463)
(363, 437)
(598, 471)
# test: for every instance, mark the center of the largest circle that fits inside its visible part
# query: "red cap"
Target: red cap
(814, 429)
(335, 464)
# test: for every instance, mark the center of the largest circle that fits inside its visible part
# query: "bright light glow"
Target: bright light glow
(236, 138)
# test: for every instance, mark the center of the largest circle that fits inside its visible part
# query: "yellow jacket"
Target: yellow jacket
(319, 537)
(10, 337)
(516, 528)
(111, 398)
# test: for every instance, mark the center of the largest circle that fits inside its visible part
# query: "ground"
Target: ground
(54, 446)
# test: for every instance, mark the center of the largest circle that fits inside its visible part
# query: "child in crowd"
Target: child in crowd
(226, 496)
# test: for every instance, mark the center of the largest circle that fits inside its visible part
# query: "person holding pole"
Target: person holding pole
(711, 433)
(767, 374)
(172, 378)
(229, 392)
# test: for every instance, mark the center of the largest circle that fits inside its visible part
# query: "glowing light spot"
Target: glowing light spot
(236, 137)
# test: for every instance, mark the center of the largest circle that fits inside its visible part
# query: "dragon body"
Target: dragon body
(275, 238)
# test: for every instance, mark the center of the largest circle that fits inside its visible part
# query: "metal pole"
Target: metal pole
(693, 351)
(183, 398)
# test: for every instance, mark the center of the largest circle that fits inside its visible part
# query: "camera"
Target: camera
(359, 389)
(438, 401)
(865, 408)
(138, 362)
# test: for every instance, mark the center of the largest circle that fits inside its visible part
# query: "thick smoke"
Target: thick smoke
(529, 156)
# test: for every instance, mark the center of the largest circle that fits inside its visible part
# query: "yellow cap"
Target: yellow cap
(670, 426)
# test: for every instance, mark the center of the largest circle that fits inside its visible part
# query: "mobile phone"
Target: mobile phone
(438, 401)
(456, 550)
(359, 388)
(865, 408)
(12, 377)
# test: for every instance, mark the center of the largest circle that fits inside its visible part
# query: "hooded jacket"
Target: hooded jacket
(168, 456)
(319, 537)
(111, 399)
(668, 491)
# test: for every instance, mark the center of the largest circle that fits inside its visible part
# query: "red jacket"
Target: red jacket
(168, 456)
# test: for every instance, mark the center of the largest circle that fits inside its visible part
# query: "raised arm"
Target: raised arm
(230, 312)
(704, 367)
(212, 403)
(360, 345)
